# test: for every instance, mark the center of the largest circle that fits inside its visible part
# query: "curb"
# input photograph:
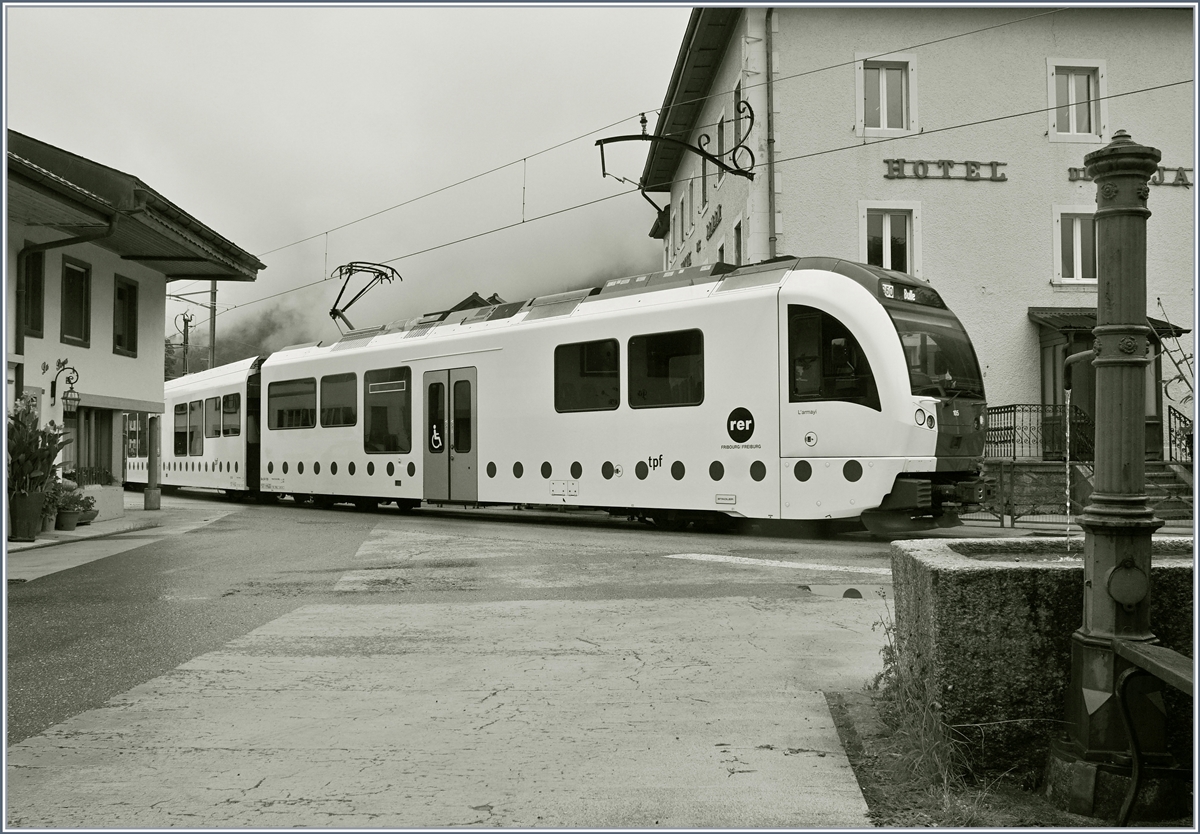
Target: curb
(21, 547)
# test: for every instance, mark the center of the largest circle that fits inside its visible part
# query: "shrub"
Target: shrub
(32, 449)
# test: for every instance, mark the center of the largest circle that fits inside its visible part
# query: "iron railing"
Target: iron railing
(1179, 436)
(1029, 431)
(89, 476)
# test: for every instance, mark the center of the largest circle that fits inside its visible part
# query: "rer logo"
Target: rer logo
(740, 425)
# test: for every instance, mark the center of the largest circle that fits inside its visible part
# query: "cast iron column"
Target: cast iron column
(152, 497)
(1117, 523)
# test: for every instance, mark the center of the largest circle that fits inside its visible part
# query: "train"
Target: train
(801, 388)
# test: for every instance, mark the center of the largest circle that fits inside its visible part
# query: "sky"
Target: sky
(273, 125)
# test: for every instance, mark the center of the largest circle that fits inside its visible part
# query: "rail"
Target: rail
(90, 476)
(1028, 431)
(1179, 436)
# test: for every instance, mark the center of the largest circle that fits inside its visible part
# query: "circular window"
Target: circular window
(547, 469)
(370, 468)
(642, 470)
(270, 467)
(349, 468)
(391, 469)
(300, 468)
(758, 470)
(316, 467)
(716, 470)
(678, 470)
(802, 470)
(491, 469)
(235, 466)
(333, 468)
(607, 470)
(852, 470)
(285, 467)
(412, 469)
(576, 470)
(518, 469)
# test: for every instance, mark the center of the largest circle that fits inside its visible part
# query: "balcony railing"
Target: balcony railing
(1029, 431)
(89, 476)
(1179, 436)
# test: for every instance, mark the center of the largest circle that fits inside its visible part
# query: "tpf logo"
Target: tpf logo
(740, 425)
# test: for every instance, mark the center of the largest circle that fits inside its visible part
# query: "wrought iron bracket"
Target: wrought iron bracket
(379, 274)
(736, 154)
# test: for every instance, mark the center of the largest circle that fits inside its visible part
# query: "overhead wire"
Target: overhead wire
(839, 149)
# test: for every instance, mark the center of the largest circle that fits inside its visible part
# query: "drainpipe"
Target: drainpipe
(22, 261)
(773, 232)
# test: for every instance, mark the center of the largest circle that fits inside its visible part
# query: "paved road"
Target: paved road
(269, 666)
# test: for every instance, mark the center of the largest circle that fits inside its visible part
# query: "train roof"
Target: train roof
(714, 278)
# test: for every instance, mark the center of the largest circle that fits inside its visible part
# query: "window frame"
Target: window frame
(405, 413)
(85, 341)
(195, 429)
(1071, 211)
(321, 410)
(904, 60)
(35, 289)
(910, 207)
(630, 376)
(212, 416)
(720, 147)
(581, 360)
(179, 439)
(271, 412)
(120, 282)
(234, 430)
(1091, 65)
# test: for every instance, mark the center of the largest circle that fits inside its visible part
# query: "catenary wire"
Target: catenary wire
(839, 149)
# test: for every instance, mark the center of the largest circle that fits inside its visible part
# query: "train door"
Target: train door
(450, 456)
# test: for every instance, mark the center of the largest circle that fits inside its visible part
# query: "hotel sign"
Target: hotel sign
(943, 169)
(1164, 176)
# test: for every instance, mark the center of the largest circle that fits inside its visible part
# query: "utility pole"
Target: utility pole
(212, 326)
(187, 320)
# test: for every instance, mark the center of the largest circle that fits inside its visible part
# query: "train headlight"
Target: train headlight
(920, 416)
(929, 422)
(980, 423)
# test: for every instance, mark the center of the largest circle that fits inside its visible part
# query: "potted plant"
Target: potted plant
(70, 508)
(89, 509)
(53, 493)
(32, 450)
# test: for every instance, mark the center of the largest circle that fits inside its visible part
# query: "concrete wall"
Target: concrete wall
(987, 246)
(987, 623)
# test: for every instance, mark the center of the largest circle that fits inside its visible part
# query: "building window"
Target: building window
(666, 369)
(703, 183)
(890, 235)
(125, 317)
(682, 214)
(1074, 244)
(1076, 90)
(691, 203)
(737, 244)
(886, 90)
(587, 376)
(721, 254)
(76, 303)
(339, 400)
(292, 404)
(737, 115)
(35, 293)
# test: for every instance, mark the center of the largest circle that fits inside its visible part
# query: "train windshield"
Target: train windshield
(941, 360)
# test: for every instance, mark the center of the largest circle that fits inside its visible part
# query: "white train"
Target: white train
(809, 388)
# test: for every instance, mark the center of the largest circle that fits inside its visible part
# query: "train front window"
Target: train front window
(666, 369)
(941, 360)
(825, 361)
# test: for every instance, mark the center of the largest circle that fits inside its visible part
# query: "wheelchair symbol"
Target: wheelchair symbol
(435, 440)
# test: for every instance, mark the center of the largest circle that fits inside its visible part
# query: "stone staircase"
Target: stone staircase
(1169, 489)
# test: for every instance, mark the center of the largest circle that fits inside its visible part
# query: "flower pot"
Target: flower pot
(25, 516)
(66, 520)
(48, 523)
(88, 516)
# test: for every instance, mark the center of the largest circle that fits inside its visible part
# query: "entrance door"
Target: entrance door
(451, 435)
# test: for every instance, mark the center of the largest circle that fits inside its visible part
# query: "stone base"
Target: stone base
(1097, 789)
(152, 496)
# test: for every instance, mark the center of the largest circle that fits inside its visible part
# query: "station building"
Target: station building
(90, 254)
(947, 143)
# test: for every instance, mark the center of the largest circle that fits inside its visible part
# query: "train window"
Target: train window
(181, 440)
(212, 417)
(587, 376)
(387, 411)
(825, 361)
(196, 427)
(292, 404)
(666, 369)
(437, 418)
(462, 416)
(231, 415)
(339, 400)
